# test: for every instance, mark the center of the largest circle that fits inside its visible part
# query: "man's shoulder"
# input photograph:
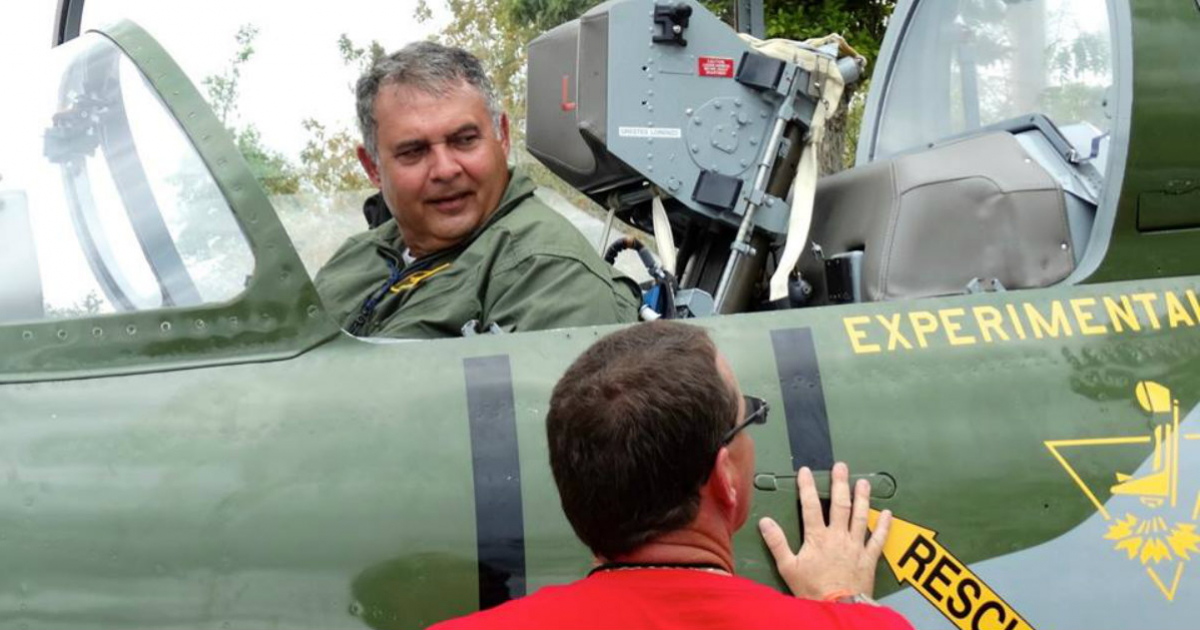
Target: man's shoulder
(354, 267)
(534, 228)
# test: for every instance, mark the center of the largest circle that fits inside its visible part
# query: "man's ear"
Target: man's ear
(369, 165)
(504, 138)
(725, 481)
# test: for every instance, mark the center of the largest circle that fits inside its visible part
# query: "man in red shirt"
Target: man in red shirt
(655, 469)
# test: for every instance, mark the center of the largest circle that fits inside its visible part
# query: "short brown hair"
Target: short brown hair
(634, 428)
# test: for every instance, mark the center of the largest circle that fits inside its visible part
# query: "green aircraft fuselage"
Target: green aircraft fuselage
(246, 463)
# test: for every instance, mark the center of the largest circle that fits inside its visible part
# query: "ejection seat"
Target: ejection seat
(973, 212)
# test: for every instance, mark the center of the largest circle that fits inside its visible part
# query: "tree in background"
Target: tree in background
(318, 195)
(276, 174)
(862, 23)
(89, 305)
(329, 161)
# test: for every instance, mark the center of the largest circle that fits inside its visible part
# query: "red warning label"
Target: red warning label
(716, 67)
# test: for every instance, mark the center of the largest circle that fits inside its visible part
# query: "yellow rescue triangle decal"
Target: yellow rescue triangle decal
(1160, 534)
(916, 558)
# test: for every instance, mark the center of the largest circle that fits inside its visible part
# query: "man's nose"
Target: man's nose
(445, 165)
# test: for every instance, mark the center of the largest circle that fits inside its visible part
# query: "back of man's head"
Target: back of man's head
(634, 428)
(426, 66)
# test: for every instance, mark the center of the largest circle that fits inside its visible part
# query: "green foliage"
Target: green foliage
(861, 22)
(363, 57)
(223, 88)
(91, 304)
(1083, 55)
(542, 15)
(1074, 68)
(720, 8)
(423, 13)
(329, 159)
(276, 174)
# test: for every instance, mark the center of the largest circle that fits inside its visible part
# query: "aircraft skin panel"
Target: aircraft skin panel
(277, 491)
(272, 471)
(239, 494)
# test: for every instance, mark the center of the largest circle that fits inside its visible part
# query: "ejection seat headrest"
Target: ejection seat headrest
(929, 222)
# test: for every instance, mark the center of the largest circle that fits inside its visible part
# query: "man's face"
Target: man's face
(741, 449)
(442, 166)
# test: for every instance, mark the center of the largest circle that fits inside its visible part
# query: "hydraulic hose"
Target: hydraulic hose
(661, 277)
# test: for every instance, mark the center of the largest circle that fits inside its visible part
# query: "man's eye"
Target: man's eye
(465, 141)
(413, 154)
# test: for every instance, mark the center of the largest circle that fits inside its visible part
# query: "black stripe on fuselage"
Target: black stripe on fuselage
(803, 398)
(499, 520)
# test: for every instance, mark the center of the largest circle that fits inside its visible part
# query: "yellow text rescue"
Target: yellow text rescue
(953, 589)
(986, 324)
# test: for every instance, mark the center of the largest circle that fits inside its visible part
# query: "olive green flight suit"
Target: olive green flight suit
(526, 268)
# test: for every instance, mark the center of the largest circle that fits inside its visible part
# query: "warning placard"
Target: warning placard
(916, 558)
(716, 67)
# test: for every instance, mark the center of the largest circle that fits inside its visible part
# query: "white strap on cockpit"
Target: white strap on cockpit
(799, 222)
(663, 239)
(804, 189)
(606, 233)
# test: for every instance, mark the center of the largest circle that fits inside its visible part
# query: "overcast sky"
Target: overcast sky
(295, 73)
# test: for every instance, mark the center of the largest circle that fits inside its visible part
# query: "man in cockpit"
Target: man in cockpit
(468, 248)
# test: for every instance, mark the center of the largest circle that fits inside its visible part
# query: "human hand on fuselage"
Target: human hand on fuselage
(833, 561)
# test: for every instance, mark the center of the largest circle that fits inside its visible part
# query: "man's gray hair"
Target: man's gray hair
(426, 66)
